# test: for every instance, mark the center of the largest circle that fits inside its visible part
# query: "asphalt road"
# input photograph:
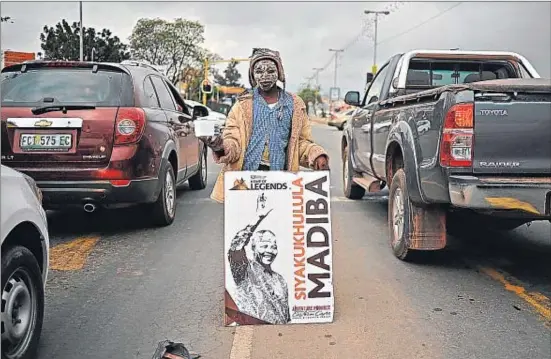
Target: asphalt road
(124, 287)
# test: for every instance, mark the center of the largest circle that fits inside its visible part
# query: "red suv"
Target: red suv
(98, 134)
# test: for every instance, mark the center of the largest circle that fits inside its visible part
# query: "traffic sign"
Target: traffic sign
(206, 87)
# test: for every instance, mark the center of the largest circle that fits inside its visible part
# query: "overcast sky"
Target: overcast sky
(304, 32)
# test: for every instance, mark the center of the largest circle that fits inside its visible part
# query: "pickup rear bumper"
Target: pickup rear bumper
(527, 196)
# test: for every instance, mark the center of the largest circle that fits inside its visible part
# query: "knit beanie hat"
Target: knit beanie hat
(266, 54)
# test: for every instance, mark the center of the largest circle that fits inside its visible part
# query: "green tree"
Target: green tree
(231, 76)
(310, 95)
(172, 45)
(62, 42)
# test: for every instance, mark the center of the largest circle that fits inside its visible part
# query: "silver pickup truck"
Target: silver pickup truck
(462, 139)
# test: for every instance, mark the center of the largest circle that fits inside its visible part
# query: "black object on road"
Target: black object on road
(171, 350)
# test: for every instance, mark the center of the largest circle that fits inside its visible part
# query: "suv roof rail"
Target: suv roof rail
(139, 63)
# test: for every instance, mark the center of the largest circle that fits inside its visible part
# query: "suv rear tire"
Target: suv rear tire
(199, 180)
(23, 299)
(163, 210)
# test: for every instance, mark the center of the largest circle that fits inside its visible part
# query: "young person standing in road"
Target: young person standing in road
(267, 128)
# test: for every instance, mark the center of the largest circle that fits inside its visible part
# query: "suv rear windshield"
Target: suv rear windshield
(436, 73)
(66, 86)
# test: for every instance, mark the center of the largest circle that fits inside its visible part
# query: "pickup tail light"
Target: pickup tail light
(457, 143)
(129, 125)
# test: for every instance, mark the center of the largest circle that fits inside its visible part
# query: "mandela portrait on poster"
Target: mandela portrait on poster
(260, 291)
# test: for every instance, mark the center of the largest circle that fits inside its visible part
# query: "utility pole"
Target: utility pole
(318, 88)
(377, 13)
(317, 69)
(336, 51)
(81, 33)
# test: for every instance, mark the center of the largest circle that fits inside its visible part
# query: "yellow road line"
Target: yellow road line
(72, 255)
(538, 301)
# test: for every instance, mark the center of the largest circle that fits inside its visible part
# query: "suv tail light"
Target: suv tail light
(129, 125)
(456, 146)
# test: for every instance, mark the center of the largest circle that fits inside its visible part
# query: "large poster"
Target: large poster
(278, 248)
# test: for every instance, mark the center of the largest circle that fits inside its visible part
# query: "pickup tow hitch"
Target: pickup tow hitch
(170, 350)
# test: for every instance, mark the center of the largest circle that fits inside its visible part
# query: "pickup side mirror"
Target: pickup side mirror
(352, 98)
(199, 111)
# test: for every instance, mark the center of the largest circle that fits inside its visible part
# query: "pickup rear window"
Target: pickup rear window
(424, 74)
(66, 86)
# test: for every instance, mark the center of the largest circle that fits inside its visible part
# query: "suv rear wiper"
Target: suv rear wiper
(62, 108)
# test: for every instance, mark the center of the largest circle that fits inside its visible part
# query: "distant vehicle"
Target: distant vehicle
(339, 120)
(219, 107)
(25, 259)
(228, 101)
(461, 138)
(101, 134)
(220, 118)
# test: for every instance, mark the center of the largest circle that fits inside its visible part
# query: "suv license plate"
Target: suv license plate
(46, 142)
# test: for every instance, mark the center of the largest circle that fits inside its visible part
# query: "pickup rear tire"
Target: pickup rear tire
(351, 190)
(400, 217)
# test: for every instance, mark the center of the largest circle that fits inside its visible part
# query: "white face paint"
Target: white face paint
(265, 74)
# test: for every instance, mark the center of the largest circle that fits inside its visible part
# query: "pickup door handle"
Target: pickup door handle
(366, 127)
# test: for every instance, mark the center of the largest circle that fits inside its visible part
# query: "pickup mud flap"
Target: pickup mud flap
(428, 228)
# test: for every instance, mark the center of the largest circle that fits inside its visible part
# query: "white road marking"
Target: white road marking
(196, 200)
(341, 199)
(366, 198)
(242, 346)
(200, 200)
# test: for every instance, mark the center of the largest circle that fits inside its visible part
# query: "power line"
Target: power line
(366, 28)
(420, 24)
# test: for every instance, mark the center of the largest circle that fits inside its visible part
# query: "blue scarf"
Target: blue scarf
(272, 124)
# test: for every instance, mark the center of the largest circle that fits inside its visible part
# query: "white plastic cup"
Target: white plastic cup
(204, 128)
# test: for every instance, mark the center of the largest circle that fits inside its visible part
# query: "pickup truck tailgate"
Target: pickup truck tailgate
(512, 128)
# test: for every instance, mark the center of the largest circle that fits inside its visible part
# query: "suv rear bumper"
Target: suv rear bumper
(529, 196)
(63, 193)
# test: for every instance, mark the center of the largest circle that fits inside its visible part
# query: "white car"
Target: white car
(25, 260)
(220, 118)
